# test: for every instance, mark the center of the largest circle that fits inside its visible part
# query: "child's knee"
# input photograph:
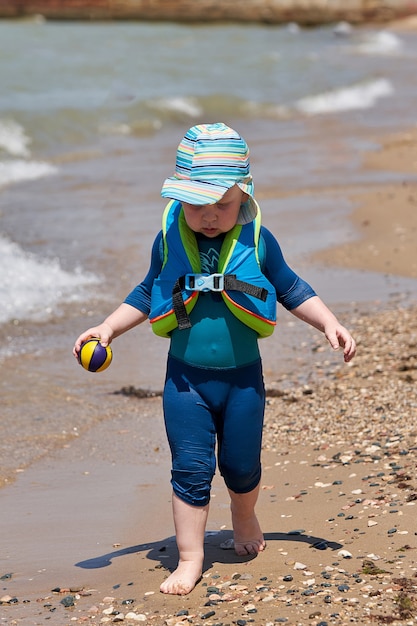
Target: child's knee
(241, 480)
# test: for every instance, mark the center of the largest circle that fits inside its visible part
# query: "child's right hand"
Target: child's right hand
(103, 332)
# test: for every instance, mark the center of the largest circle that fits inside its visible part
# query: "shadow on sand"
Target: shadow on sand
(166, 553)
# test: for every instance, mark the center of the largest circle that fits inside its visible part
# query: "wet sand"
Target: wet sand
(385, 216)
(91, 518)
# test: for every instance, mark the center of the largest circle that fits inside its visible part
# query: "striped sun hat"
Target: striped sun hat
(211, 158)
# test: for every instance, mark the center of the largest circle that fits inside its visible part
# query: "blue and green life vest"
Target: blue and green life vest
(244, 288)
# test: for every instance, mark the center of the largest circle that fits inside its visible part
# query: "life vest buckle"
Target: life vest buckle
(204, 282)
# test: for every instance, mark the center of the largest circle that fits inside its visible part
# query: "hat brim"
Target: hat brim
(201, 193)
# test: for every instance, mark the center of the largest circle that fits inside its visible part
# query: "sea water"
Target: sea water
(90, 117)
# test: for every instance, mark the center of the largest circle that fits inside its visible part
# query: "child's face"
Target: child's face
(214, 219)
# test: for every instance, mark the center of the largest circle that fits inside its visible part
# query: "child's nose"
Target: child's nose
(209, 215)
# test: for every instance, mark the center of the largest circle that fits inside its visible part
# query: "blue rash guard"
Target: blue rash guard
(217, 339)
(214, 389)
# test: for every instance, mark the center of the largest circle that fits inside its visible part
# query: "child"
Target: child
(212, 287)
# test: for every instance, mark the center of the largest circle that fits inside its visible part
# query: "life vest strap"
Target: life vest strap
(178, 305)
(230, 283)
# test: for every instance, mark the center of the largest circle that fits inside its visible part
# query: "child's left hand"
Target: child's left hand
(339, 337)
(317, 314)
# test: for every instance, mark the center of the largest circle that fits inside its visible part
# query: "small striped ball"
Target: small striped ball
(94, 357)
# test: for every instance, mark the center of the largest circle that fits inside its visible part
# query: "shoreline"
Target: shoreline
(385, 244)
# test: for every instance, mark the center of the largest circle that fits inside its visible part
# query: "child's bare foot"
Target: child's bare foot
(248, 536)
(183, 579)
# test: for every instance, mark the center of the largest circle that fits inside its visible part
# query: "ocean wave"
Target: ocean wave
(151, 115)
(222, 106)
(380, 43)
(156, 114)
(361, 96)
(182, 106)
(266, 110)
(33, 287)
(19, 170)
(13, 139)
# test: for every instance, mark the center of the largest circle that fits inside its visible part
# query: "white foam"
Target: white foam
(362, 96)
(13, 139)
(32, 287)
(18, 170)
(380, 43)
(293, 28)
(343, 29)
(115, 129)
(189, 106)
(270, 111)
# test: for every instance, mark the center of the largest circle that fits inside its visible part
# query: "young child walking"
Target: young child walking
(215, 277)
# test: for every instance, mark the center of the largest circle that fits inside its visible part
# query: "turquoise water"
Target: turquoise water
(66, 84)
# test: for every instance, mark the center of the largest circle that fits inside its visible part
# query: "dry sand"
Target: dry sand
(339, 487)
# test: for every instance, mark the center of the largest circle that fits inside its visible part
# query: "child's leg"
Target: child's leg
(247, 534)
(190, 525)
(240, 445)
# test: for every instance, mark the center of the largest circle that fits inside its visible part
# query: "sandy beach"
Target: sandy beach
(87, 530)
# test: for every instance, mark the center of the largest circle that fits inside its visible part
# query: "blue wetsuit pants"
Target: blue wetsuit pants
(205, 406)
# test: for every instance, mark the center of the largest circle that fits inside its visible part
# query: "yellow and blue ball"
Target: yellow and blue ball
(94, 357)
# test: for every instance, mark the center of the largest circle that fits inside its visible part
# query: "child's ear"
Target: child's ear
(245, 197)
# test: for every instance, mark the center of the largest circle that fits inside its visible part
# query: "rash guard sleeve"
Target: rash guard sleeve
(291, 289)
(140, 296)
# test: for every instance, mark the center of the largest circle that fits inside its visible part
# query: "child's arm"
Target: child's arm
(132, 312)
(122, 319)
(317, 314)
